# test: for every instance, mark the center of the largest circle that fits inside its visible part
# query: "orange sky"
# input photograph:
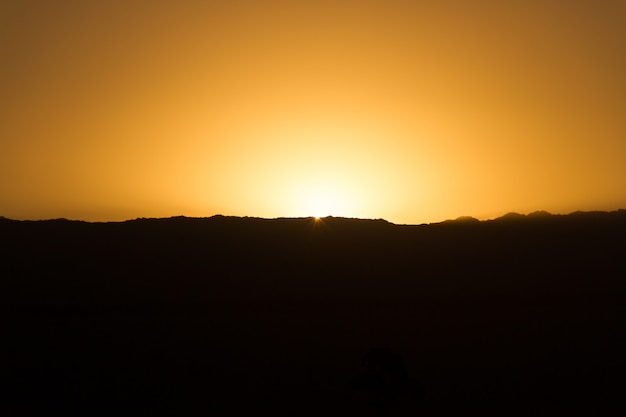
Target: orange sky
(405, 110)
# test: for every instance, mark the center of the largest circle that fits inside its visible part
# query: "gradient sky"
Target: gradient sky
(405, 110)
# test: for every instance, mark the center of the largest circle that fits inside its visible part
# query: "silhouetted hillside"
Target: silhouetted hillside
(235, 316)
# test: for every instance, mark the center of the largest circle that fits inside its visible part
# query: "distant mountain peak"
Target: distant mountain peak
(512, 216)
(539, 213)
(461, 220)
(467, 219)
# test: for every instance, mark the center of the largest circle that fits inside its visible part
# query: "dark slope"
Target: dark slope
(238, 315)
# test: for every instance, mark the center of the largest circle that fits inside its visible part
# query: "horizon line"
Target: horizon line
(509, 214)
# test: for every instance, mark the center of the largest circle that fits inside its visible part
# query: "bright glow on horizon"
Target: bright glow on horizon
(325, 201)
(408, 111)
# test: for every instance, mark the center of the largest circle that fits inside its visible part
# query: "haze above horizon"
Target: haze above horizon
(413, 112)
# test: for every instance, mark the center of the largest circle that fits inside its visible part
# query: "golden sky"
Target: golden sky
(412, 111)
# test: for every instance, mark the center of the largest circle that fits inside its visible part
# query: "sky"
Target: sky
(412, 111)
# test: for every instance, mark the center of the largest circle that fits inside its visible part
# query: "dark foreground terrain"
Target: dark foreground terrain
(237, 316)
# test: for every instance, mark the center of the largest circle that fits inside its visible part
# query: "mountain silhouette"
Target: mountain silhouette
(238, 315)
(539, 214)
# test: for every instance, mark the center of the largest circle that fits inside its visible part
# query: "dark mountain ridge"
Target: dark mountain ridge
(216, 217)
(233, 315)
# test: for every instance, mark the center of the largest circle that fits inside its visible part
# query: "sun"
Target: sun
(323, 200)
(312, 168)
(321, 208)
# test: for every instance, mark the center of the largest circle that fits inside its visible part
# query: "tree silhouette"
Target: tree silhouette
(386, 380)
